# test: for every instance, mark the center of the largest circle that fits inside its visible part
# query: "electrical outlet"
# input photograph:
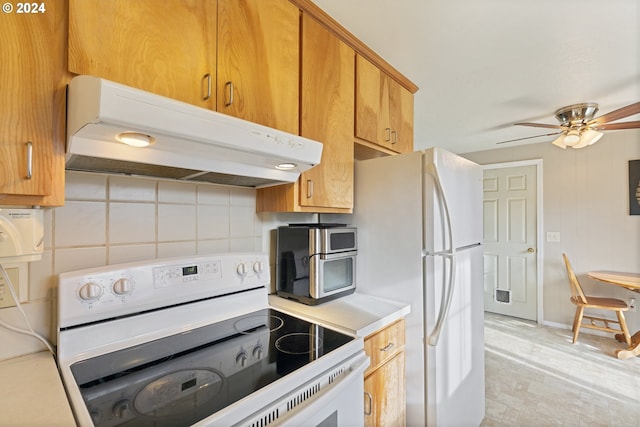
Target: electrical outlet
(6, 299)
(632, 304)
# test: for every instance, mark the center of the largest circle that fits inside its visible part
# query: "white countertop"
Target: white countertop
(31, 393)
(356, 314)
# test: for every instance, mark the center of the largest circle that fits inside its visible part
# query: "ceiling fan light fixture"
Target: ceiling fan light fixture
(559, 142)
(577, 124)
(590, 137)
(583, 143)
(572, 138)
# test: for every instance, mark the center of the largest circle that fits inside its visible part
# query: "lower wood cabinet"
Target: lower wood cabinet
(384, 380)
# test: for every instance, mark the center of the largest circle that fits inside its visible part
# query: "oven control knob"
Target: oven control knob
(90, 291)
(122, 286)
(258, 352)
(241, 359)
(120, 408)
(241, 269)
(257, 267)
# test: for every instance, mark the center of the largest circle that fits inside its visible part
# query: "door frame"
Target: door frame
(539, 227)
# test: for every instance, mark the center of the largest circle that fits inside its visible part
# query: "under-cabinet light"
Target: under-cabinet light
(135, 139)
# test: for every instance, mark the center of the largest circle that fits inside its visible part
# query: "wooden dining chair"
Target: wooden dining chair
(583, 302)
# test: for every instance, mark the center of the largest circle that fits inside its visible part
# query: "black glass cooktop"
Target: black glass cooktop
(184, 378)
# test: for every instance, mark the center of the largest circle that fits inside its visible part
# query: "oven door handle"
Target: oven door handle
(336, 255)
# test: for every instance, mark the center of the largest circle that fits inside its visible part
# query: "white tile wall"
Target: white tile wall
(110, 219)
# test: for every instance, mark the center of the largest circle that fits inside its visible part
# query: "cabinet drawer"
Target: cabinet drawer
(384, 344)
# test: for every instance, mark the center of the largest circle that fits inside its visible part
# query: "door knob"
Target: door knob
(531, 250)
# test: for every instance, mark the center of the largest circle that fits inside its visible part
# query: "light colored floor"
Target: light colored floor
(536, 377)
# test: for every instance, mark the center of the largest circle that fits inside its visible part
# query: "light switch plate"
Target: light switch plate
(18, 273)
(553, 236)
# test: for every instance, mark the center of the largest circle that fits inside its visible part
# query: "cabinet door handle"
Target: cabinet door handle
(229, 86)
(207, 95)
(387, 134)
(367, 412)
(29, 160)
(387, 347)
(309, 189)
(394, 136)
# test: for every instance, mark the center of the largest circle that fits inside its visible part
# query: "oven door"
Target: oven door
(341, 403)
(331, 274)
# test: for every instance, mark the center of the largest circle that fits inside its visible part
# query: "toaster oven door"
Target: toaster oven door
(331, 274)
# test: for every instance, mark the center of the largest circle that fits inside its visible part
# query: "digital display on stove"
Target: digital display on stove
(188, 271)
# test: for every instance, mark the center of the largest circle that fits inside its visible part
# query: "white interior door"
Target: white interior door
(510, 241)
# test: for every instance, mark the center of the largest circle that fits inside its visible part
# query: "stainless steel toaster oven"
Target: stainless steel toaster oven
(316, 262)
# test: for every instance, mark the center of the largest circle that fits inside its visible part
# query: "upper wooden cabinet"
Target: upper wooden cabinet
(327, 99)
(384, 109)
(31, 149)
(239, 57)
(400, 117)
(258, 62)
(168, 47)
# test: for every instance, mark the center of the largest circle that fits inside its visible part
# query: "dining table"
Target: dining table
(629, 281)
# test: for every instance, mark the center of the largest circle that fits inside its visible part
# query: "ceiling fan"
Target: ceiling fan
(579, 128)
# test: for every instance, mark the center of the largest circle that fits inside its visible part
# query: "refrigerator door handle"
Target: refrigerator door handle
(447, 294)
(445, 303)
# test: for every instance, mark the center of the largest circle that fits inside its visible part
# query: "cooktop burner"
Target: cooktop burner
(245, 324)
(183, 378)
(299, 343)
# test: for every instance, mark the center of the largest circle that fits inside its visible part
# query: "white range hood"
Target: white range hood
(191, 143)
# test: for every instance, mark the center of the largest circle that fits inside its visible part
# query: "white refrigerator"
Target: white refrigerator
(419, 220)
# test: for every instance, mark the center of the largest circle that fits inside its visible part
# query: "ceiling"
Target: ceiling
(483, 65)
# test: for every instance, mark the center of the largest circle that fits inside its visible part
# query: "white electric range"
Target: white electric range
(193, 342)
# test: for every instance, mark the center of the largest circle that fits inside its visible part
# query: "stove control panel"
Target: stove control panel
(106, 292)
(179, 275)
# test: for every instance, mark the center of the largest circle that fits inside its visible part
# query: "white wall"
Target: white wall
(586, 200)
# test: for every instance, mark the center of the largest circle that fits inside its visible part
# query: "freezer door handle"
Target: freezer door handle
(446, 254)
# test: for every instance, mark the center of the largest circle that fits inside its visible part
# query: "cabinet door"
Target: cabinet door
(401, 118)
(26, 101)
(372, 103)
(258, 61)
(164, 47)
(327, 115)
(384, 390)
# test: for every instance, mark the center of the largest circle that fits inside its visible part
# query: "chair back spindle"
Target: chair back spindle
(576, 290)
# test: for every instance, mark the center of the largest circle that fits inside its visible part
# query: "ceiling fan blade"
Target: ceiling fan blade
(528, 137)
(620, 113)
(540, 125)
(614, 126)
